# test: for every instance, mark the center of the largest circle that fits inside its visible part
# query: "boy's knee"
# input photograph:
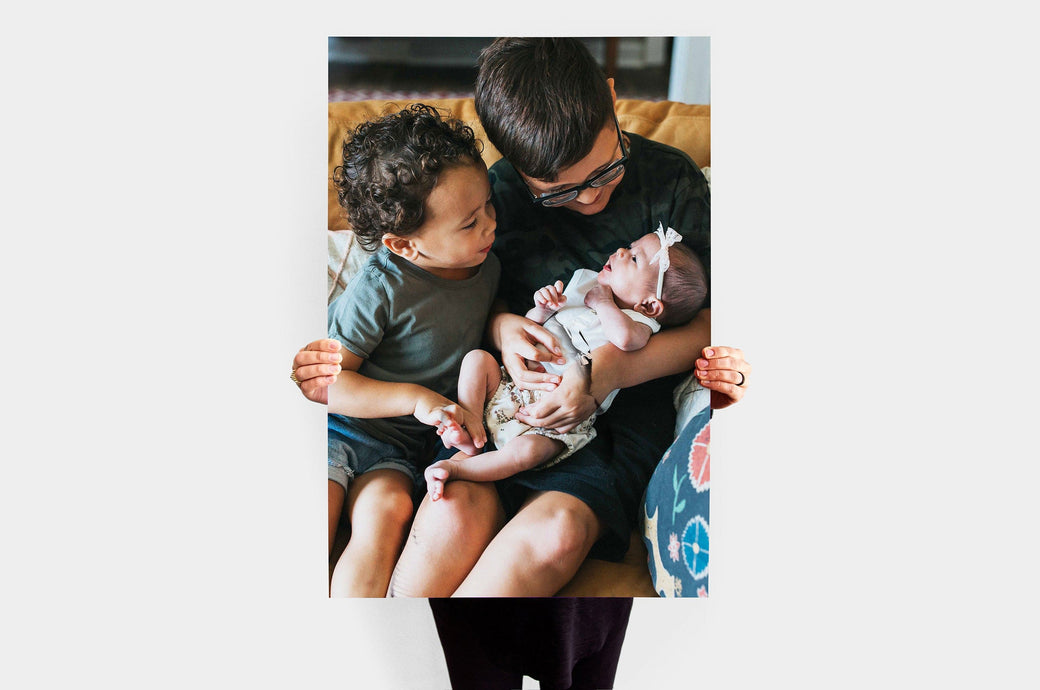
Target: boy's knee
(464, 498)
(389, 506)
(565, 533)
(465, 507)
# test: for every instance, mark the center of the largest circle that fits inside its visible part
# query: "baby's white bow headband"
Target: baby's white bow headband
(667, 240)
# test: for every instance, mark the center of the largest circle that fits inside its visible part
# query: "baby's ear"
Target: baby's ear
(401, 246)
(651, 306)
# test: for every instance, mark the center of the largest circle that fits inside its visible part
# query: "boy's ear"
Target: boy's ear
(402, 246)
(613, 94)
(651, 306)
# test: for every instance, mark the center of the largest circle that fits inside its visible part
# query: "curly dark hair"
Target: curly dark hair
(390, 166)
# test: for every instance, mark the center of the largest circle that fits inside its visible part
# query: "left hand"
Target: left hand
(598, 295)
(564, 408)
(719, 370)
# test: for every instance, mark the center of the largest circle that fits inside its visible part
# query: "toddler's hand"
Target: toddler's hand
(458, 428)
(551, 296)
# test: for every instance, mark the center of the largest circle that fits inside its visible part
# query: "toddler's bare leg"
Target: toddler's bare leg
(379, 504)
(478, 379)
(522, 453)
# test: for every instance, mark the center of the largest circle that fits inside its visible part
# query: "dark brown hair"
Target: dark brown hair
(542, 101)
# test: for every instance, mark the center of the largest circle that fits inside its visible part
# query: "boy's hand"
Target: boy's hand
(316, 367)
(724, 372)
(519, 339)
(551, 296)
(433, 409)
(564, 408)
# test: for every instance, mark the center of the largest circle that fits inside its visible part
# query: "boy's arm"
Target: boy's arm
(359, 396)
(671, 351)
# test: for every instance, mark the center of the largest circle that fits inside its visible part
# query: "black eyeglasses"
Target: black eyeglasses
(611, 173)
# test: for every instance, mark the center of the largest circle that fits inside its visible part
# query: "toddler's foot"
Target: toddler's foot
(437, 475)
(452, 434)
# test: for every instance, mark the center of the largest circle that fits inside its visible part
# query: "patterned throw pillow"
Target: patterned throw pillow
(676, 521)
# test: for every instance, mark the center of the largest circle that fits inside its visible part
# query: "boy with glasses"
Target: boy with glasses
(570, 189)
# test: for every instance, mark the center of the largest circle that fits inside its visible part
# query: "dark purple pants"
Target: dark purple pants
(566, 644)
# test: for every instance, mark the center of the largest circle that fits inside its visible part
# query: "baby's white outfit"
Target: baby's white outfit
(579, 332)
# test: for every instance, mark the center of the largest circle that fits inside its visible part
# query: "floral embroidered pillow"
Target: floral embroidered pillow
(676, 521)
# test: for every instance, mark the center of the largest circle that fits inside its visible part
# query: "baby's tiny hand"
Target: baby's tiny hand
(550, 296)
(600, 294)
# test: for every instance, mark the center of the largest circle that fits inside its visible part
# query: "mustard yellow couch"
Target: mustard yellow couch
(687, 127)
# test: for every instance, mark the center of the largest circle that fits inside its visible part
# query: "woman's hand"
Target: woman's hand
(519, 339)
(564, 408)
(724, 372)
(316, 367)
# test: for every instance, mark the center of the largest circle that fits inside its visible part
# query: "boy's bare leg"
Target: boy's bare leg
(379, 504)
(538, 551)
(522, 453)
(478, 380)
(336, 496)
(446, 539)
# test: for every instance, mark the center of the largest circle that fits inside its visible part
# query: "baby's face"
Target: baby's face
(629, 274)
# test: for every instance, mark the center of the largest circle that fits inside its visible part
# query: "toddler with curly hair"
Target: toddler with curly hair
(417, 194)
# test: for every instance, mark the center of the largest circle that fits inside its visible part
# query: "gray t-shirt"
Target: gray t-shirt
(411, 326)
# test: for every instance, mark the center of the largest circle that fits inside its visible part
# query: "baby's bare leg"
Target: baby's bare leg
(478, 380)
(522, 453)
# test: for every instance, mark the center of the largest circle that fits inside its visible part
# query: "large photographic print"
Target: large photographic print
(519, 271)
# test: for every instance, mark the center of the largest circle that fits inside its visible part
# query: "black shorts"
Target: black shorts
(611, 473)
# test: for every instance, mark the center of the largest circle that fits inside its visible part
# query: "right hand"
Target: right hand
(518, 340)
(316, 366)
(566, 407)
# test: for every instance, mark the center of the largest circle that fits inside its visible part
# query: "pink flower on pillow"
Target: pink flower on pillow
(674, 546)
(700, 460)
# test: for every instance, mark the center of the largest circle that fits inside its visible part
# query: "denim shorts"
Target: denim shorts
(353, 452)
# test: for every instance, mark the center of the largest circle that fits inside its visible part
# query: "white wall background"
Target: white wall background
(163, 493)
(690, 79)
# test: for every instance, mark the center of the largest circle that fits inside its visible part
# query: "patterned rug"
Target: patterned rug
(340, 94)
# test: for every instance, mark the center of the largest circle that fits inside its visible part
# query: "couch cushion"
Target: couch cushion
(687, 127)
